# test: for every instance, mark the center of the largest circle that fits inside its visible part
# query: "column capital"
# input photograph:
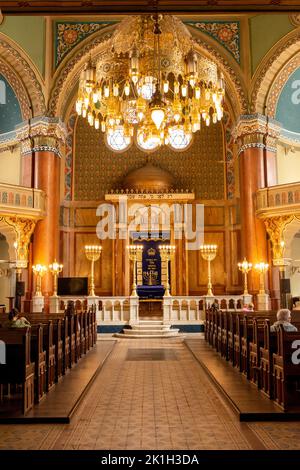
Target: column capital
(275, 227)
(23, 228)
(256, 131)
(42, 134)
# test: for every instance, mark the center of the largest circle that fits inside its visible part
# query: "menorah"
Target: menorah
(167, 253)
(93, 253)
(134, 252)
(209, 252)
(262, 268)
(39, 270)
(245, 267)
(55, 268)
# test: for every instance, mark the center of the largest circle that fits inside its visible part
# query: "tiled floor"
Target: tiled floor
(166, 403)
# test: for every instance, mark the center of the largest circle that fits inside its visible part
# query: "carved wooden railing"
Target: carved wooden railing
(279, 199)
(21, 201)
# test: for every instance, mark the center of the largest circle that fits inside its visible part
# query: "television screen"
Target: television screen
(72, 286)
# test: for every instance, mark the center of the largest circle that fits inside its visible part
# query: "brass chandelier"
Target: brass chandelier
(150, 86)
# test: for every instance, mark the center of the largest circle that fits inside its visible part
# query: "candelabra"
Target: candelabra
(134, 252)
(245, 267)
(262, 268)
(55, 268)
(93, 253)
(39, 271)
(167, 253)
(209, 253)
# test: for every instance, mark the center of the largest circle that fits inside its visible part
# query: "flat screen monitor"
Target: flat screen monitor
(72, 286)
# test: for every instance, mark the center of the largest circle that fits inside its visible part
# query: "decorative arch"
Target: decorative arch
(273, 72)
(67, 75)
(18, 87)
(23, 76)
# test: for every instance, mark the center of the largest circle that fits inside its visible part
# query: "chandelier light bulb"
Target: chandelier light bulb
(97, 123)
(116, 89)
(127, 89)
(84, 112)
(184, 90)
(166, 86)
(106, 91)
(157, 116)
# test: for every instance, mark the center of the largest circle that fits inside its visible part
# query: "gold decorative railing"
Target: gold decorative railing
(282, 199)
(21, 201)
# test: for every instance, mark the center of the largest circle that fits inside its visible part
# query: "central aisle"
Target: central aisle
(150, 394)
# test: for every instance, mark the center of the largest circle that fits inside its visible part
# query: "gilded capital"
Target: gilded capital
(275, 227)
(256, 130)
(42, 134)
(23, 229)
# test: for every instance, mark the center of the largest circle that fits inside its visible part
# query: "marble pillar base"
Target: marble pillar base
(263, 302)
(54, 304)
(134, 309)
(247, 299)
(167, 309)
(38, 304)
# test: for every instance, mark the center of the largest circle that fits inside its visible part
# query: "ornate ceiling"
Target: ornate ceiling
(131, 6)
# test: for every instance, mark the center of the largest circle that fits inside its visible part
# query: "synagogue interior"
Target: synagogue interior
(149, 225)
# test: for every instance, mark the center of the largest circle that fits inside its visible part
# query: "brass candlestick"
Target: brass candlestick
(245, 267)
(167, 253)
(209, 253)
(93, 253)
(39, 271)
(262, 268)
(134, 252)
(55, 268)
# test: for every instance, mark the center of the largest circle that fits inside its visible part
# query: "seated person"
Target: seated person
(284, 318)
(16, 321)
(248, 307)
(215, 305)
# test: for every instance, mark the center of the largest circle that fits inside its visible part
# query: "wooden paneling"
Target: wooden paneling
(214, 215)
(85, 217)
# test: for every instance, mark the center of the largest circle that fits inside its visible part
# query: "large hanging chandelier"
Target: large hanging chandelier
(150, 86)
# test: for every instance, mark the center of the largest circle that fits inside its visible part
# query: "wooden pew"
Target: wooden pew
(231, 333)
(266, 360)
(19, 369)
(224, 338)
(252, 340)
(38, 356)
(286, 374)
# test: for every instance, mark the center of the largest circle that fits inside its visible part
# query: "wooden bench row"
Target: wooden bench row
(264, 357)
(37, 357)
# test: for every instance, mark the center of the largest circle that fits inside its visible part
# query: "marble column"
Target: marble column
(257, 163)
(42, 143)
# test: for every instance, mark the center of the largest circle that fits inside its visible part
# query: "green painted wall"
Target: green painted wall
(265, 31)
(29, 33)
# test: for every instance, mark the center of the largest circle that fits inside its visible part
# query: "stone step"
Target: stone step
(148, 332)
(150, 327)
(168, 334)
(150, 322)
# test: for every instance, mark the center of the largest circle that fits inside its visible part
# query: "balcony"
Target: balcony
(283, 199)
(22, 202)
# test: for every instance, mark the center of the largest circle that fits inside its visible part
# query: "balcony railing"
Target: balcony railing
(280, 199)
(21, 201)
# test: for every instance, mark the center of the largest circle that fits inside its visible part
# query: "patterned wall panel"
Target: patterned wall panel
(227, 33)
(98, 170)
(70, 33)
